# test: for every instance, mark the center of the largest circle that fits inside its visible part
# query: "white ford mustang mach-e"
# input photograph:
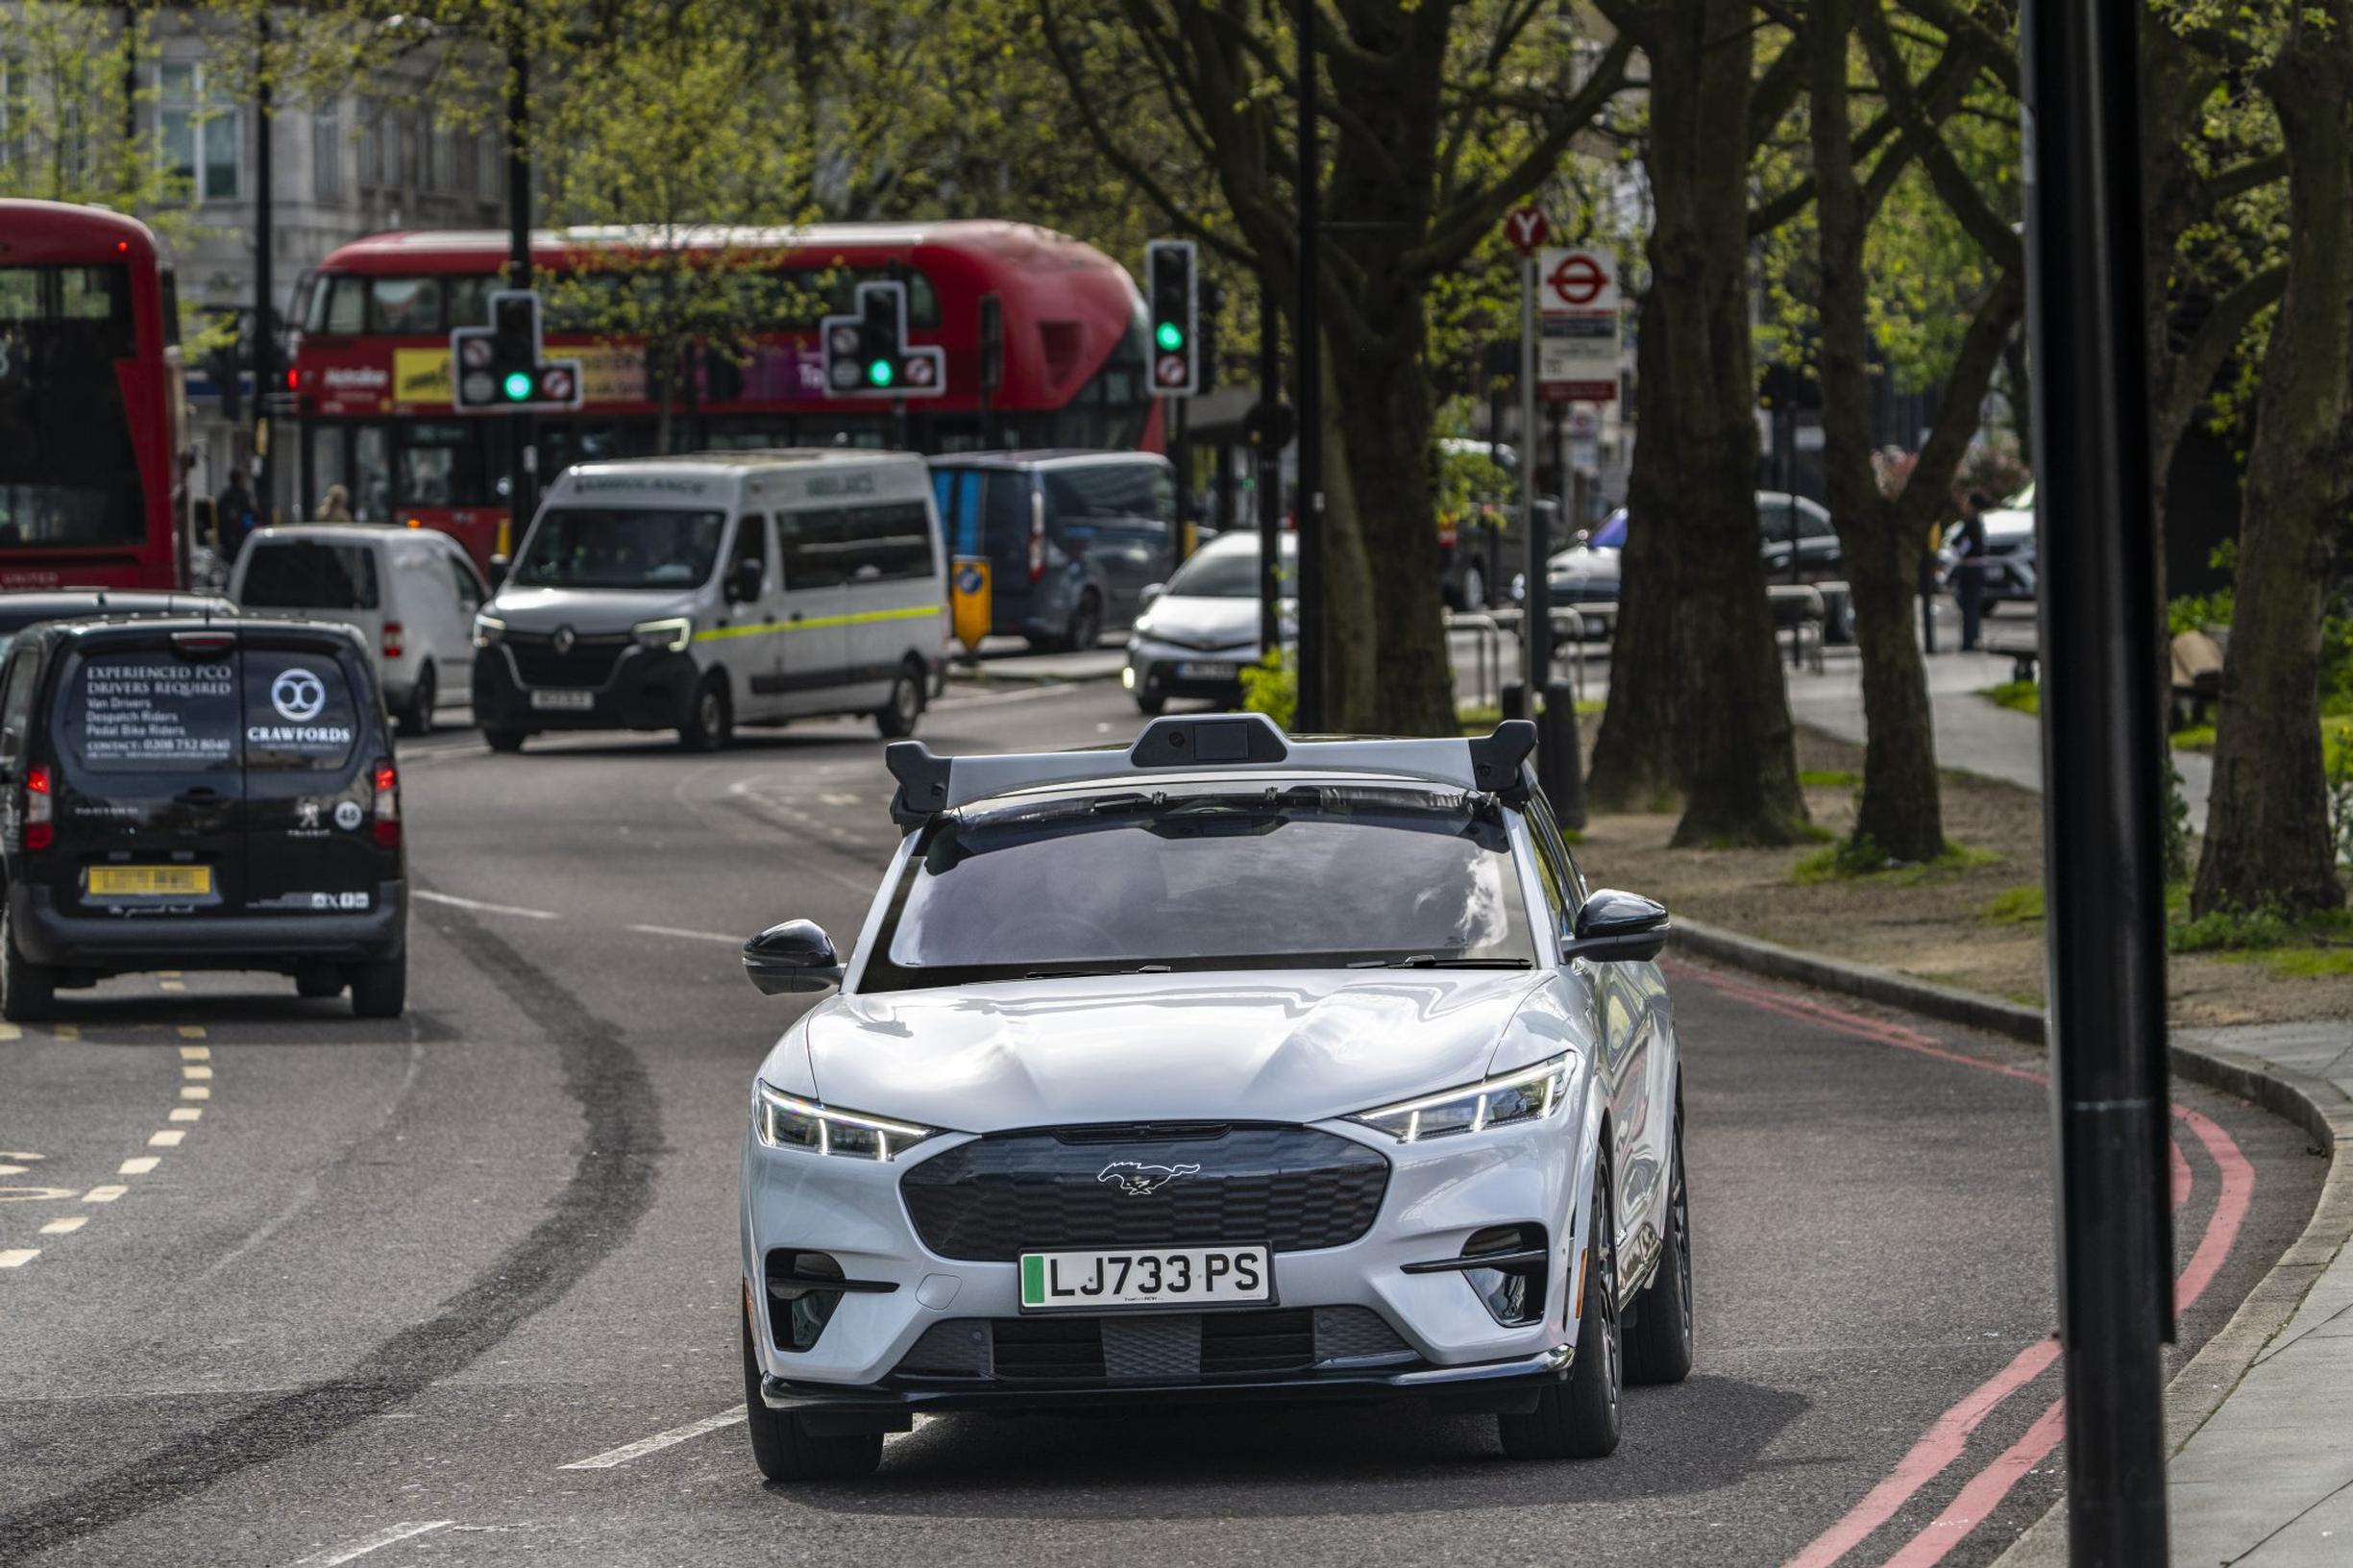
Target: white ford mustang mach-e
(1229, 1068)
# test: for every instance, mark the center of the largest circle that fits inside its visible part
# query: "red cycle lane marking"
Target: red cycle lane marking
(1946, 1440)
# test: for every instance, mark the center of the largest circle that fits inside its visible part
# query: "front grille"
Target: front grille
(1151, 1347)
(589, 662)
(1292, 1188)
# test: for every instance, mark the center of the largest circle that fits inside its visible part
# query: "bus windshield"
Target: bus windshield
(619, 546)
(68, 474)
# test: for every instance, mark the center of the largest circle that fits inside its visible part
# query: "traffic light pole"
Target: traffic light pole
(2103, 751)
(1269, 471)
(265, 284)
(522, 456)
(1309, 716)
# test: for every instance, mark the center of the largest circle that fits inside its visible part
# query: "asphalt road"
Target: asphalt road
(436, 1290)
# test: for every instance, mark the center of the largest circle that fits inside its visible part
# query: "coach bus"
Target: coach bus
(90, 403)
(372, 369)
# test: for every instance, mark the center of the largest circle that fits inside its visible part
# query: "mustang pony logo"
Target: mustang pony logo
(1138, 1181)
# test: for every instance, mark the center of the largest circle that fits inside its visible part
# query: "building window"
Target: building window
(326, 153)
(371, 143)
(204, 140)
(490, 158)
(443, 174)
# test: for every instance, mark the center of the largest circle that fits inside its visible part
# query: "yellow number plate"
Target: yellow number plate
(152, 881)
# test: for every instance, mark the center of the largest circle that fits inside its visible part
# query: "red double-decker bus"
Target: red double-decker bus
(90, 403)
(372, 369)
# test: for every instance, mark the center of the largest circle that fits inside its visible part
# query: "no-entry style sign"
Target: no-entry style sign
(1577, 345)
(1527, 227)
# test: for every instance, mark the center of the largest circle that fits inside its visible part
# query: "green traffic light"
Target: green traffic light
(878, 372)
(1170, 336)
(518, 385)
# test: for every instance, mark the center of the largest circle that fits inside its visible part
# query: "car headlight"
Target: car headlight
(487, 629)
(1528, 1095)
(787, 1121)
(669, 635)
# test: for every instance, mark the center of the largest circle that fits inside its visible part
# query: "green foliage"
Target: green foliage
(2336, 763)
(1829, 778)
(2201, 612)
(1861, 860)
(2018, 696)
(1271, 687)
(2255, 930)
(64, 134)
(2193, 738)
(2022, 905)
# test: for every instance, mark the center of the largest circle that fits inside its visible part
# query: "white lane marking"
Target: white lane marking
(682, 931)
(643, 1445)
(67, 1031)
(186, 1113)
(19, 1257)
(195, 1053)
(197, 1073)
(351, 1550)
(455, 902)
(9, 1031)
(990, 700)
(103, 1194)
(190, 1031)
(172, 985)
(195, 1092)
(169, 1139)
(167, 974)
(837, 799)
(140, 1167)
(67, 1226)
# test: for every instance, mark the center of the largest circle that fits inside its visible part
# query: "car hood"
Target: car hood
(1583, 561)
(1291, 1046)
(1201, 621)
(585, 609)
(2008, 525)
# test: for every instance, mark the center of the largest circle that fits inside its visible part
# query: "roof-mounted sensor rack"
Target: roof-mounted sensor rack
(1220, 743)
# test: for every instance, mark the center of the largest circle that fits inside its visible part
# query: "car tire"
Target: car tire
(784, 1449)
(897, 717)
(1580, 1418)
(710, 719)
(319, 983)
(506, 740)
(1659, 1338)
(379, 990)
(417, 719)
(1085, 630)
(28, 990)
(1150, 698)
(1472, 590)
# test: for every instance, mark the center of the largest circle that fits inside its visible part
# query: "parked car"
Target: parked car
(197, 793)
(2009, 550)
(1788, 527)
(411, 593)
(1196, 633)
(1071, 538)
(20, 610)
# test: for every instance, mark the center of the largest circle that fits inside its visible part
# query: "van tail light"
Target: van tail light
(387, 827)
(40, 830)
(394, 631)
(1036, 537)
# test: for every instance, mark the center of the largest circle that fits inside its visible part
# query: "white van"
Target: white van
(705, 591)
(412, 593)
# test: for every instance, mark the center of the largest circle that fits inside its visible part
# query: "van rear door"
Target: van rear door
(150, 785)
(313, 745)
(328, 579)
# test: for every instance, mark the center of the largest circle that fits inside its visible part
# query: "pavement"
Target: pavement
(462, 1286)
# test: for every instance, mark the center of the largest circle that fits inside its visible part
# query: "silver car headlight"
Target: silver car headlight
(1528, 1095)
(787, 1121)
(668, 635)
(487, 629)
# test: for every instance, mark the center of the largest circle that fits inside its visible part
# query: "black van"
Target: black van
(1072, 538)
(198, 794)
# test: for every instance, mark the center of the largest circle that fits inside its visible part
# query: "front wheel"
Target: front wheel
(417, 719)
(506, 740)
(783, 1448)
(1580, 1419)
(1660, 1340)
(710, 723)
(1474, 590)
(1086, 624)
(379, 990)
(28, 990)
(896, 717)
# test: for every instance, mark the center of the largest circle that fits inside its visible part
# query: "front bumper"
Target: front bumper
(1159, 669)
(646, 689)
(1439, 1337)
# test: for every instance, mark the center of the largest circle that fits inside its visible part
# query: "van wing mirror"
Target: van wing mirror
(744, 583)
(1615, 927)
(794, 956)
(1151, 592)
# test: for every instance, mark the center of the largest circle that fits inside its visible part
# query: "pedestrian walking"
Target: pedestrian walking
(236, 514)
(1969, 568)
(335, 507)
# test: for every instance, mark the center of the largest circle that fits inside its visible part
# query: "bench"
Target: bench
(2024, 646)
(2197, 674)
(1798, 606)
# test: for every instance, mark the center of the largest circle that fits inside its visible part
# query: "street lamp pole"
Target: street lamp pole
(2103, 741)
(1308, 354)
(521, 456)
(265, 286)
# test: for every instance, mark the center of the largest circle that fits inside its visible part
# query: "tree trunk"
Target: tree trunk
(1901, 815)
(2268, 839)
(1696, 701)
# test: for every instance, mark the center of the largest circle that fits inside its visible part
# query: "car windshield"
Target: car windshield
(1611, 534)
(1221, 574)
(621, 547)
(1245, 876)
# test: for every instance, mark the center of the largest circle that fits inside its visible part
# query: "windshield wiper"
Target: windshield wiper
(1431, 961)
(1083, 975)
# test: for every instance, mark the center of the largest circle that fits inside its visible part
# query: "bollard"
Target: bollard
(1515, 699)
(1560, 755)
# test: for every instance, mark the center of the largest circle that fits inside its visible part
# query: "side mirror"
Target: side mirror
(1151, 592)
(744, 583)
(794, 956)
(498, 571)
(1615, 927)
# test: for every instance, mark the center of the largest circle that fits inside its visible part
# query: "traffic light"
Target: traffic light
(866, 352)
(502, 368)
(1176, 309)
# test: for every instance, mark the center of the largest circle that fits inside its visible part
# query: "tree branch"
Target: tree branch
(2241, 178)
(1956, 417)
(1953, 186)
(1993, 51)
(2201, 359)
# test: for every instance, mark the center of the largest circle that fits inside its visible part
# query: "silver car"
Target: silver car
(1197, 632)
